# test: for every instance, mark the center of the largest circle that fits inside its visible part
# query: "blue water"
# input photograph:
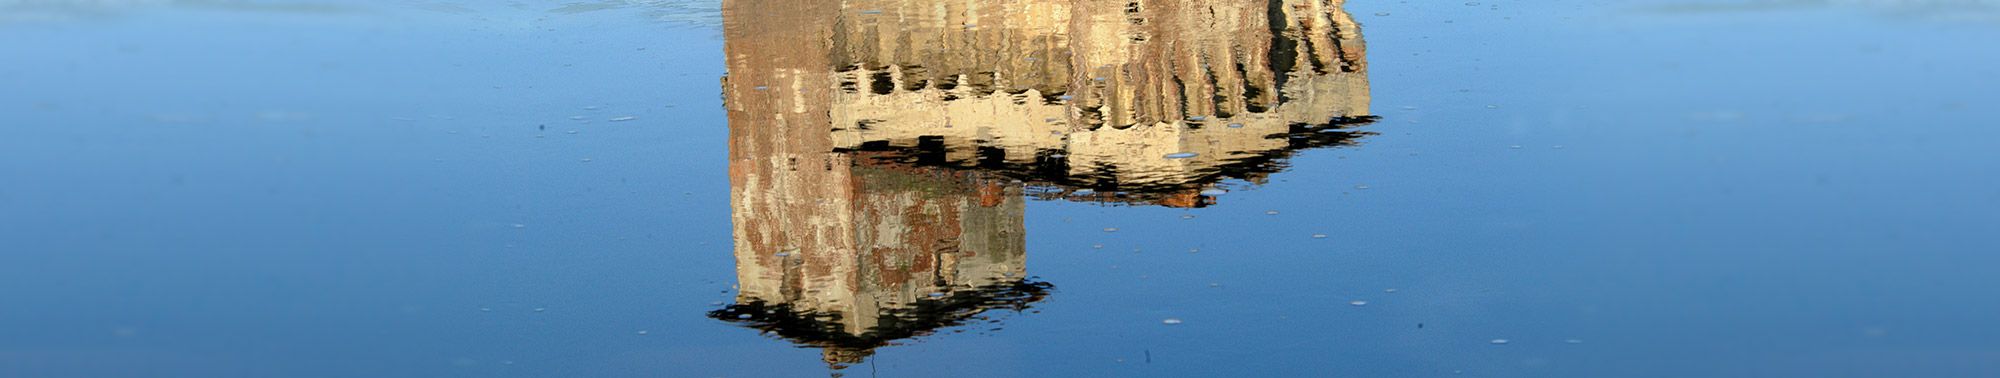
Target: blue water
(388, 188)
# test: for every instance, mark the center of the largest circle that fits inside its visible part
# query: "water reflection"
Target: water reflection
(880, 151)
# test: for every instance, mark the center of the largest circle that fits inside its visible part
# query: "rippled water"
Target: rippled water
(1007, 188)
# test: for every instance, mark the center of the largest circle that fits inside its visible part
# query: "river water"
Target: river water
(752, 188)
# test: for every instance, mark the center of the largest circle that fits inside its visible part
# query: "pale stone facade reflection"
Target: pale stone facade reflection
(881, 150)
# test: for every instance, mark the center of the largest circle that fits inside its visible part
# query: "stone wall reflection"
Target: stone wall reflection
(881, 150)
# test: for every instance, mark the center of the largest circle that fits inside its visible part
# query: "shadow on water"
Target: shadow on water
(881, 151)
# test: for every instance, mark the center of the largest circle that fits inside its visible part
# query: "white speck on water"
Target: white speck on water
(1493, 106)
(572, 131)
(1271, 212)
(1171, 321)
(1319, 236)
(1388, 290)
(1215, 284)
(485, 309)
(1194, 250)
(1096, 246)
(1358, 303)
(518, 225)
(592, 107)
(1361, 187)
(1573, 341)
(578, 118)
(587, 160)
(643, 333)
(1110, 229)
(541, 309)
(1498, 341)
(1187, 216)
(623, 119)
(1182, 155)
(1515, 146)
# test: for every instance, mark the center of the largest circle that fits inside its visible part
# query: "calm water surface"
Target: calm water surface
(911, 188)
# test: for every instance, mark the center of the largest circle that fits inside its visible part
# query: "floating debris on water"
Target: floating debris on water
(1358, 303)
(1319, 236)
(1171, 321)
(623, 119)
(1110, 229)
(1498, 341)
(1271, 212)
(643, 333)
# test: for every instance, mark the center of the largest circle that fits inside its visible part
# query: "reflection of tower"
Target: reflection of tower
(880, 149)
(842, 256)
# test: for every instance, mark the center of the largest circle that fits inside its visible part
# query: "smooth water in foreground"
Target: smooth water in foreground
(914, 188)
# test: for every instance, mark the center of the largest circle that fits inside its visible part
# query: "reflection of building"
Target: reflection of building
(883, 253)
(880, 149)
